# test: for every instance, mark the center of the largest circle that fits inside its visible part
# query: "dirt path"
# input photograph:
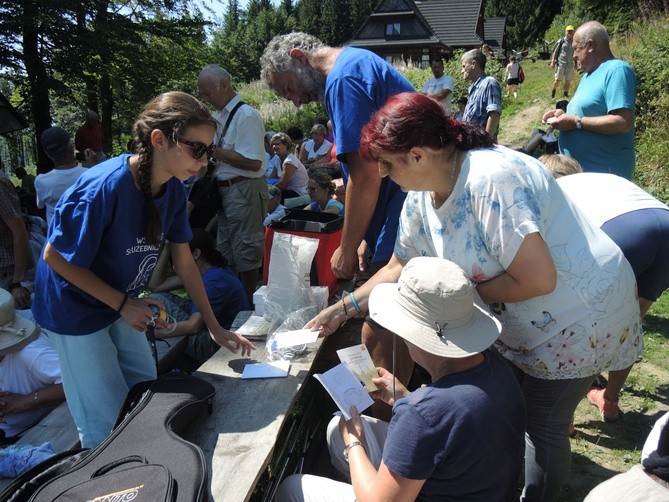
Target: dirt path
(515, 131)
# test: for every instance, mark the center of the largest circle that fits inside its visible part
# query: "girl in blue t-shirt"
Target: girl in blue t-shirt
(321, 189)
(102, 246)
(225, 292)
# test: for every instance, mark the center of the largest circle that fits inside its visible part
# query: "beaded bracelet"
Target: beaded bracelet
(355, 303)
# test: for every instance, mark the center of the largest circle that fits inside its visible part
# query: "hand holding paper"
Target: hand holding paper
(384, 384)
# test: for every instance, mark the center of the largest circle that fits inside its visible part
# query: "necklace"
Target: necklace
(437, 201)
(453, 169)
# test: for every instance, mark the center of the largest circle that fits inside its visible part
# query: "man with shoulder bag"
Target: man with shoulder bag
(240, 175)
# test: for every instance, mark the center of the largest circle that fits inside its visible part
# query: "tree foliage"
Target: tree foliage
(96, 53)
(526, 20)
(65, 56)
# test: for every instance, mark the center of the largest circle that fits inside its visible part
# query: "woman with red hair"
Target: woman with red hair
(563, 292)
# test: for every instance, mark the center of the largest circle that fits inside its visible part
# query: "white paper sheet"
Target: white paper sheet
(276, 369)
(293, 338)
(345, 389)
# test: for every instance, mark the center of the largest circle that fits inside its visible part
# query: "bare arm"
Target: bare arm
(184, 266)
(190, 326)
(369, 484)
(136, 311)
(45, 397)
(237, 160)
(322, 158)
(303, 155)
(20, 249)
(615, 122)
(286, 175)
(334, 316)
(331, 209)
(159, 280)
(441, 95)
(492, 125)
(362, 192)
(531, 273)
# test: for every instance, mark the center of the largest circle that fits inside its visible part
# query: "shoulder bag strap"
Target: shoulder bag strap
(232, 114)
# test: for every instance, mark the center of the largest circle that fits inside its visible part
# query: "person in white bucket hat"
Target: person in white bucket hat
(462, 436)
(30, 384)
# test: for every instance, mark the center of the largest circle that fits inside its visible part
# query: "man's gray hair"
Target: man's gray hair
(595, 31)
(276, 58)
(214, 72)
(475, 55)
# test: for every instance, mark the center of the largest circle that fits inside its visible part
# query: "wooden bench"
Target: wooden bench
(238, 439)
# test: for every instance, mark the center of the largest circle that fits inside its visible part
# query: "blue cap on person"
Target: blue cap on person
(432, 307)
(54, 139)
(15, 331)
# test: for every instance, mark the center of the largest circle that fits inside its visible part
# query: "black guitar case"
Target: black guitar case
(144, 459)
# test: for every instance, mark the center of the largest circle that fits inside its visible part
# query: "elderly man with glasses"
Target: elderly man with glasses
(598, 127)
(240, 173)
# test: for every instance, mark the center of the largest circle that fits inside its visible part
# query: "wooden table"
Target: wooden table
(239, 437)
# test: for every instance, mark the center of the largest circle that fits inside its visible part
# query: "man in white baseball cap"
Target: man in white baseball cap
(460, 437)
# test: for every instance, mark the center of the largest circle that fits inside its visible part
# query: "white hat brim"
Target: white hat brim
(474, 337)
(23, 332)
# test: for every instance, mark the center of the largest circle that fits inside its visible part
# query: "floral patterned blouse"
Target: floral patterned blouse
(590, 322)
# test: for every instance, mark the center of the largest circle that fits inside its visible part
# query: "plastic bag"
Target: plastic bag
(290, 321)
(288, 283)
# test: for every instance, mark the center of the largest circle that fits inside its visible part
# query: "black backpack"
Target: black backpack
(143, 459)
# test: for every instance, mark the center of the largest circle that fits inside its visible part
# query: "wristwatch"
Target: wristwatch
(579, 122)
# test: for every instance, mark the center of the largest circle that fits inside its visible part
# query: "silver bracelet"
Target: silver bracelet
(349, 446)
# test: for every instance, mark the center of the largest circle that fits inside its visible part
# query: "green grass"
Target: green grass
(656, 337)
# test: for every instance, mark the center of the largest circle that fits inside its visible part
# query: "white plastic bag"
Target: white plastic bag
(288, 283)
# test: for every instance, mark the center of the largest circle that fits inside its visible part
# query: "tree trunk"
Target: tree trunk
(38, 80)
(106, 94)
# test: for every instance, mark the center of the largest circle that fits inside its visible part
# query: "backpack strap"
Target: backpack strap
(558, 49)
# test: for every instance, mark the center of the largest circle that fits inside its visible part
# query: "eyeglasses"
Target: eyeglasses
(314, 189)
(198, 149)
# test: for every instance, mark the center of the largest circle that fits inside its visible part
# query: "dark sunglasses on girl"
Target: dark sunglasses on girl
(197, 149)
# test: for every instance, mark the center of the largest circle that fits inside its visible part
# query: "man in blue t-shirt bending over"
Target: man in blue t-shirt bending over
(353, 83)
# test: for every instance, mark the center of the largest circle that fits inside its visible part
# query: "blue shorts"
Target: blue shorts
(643, 237)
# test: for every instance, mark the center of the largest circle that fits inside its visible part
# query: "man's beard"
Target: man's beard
(312, 82)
